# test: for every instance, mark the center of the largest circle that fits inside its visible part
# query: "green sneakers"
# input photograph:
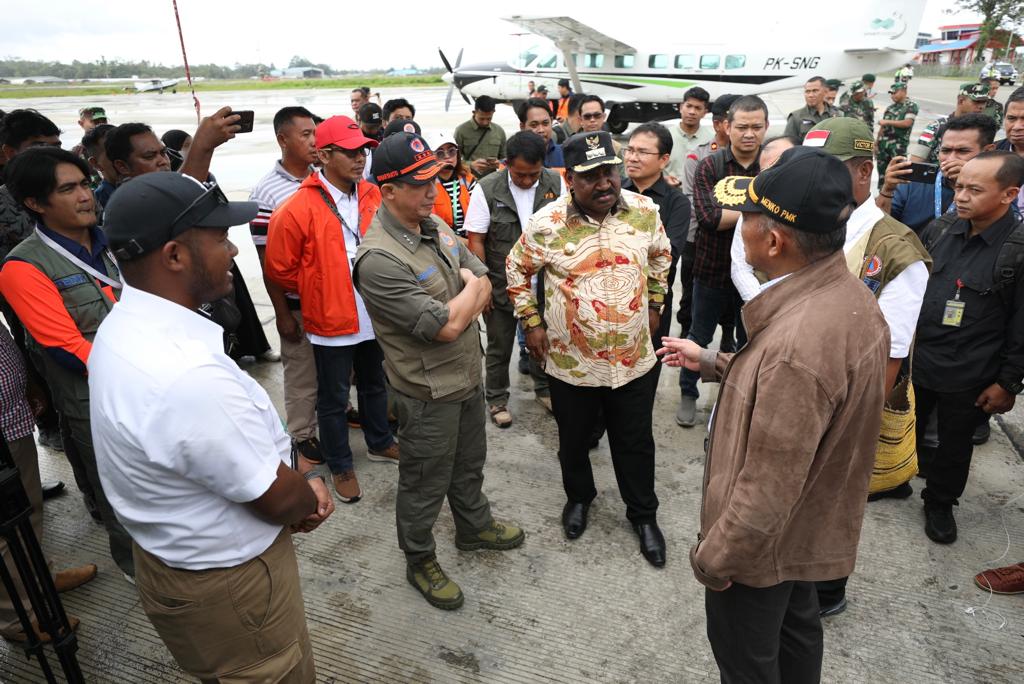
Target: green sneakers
(430, 580)
(496, 536)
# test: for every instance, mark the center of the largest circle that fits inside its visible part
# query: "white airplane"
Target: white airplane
(645, 84)
(157, 85)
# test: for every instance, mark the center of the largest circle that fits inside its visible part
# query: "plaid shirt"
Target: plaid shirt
(712, 264)
(15, 415)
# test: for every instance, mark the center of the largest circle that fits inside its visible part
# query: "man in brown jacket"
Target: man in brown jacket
(792, 441)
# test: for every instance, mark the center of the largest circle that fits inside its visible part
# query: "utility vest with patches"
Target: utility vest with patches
(88, 305)
(505, 228)
(445, 371)
(884, 252)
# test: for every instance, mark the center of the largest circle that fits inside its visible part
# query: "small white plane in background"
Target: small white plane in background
(157, 85)
(646, 84)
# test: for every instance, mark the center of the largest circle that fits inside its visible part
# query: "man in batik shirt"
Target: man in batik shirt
(604, 257)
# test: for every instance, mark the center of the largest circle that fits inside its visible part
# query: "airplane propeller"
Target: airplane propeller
(451, 88)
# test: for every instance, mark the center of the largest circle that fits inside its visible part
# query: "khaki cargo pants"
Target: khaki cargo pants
(231, 625)
(444, 447)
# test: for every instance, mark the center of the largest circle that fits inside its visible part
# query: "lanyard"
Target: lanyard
(938, 194)
(116, 284)
(337, 214)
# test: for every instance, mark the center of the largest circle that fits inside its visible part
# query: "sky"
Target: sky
(336, 33)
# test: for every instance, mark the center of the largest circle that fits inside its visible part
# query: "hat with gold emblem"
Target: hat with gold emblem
(807, 189)
(585, 151)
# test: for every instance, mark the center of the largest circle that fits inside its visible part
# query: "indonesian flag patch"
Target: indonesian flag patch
(816, 138)
(927, 136)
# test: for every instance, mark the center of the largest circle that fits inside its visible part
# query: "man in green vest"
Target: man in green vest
(891, 261)
(499, 208)
(62, 282)
(424, 291)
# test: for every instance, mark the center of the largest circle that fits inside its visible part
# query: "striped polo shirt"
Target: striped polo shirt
(270, 193)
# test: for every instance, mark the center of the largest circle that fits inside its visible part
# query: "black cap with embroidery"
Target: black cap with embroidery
(585, 151)
(807, 189)
(371, 114)
(404, 157)
(150, 210)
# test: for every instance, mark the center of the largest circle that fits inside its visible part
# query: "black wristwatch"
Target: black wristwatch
(1011, 387)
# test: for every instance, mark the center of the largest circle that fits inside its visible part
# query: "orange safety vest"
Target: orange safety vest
(563, 109)
(443, 202)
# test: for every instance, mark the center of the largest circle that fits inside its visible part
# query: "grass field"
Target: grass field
(91, 89)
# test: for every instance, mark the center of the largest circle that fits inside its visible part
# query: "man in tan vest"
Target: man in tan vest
(891, 261)
(424, 291)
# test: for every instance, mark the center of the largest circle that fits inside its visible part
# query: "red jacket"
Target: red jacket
(306, 254)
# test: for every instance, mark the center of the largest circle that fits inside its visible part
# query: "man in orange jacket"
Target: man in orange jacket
(311, 242)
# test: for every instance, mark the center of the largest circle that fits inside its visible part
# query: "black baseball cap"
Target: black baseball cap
(807, 189)
(404, 157)
(720, 107)
(150, 210)
(402, 126)
(585, 151)
(371, 114)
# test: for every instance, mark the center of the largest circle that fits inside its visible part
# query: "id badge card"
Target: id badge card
(953, 315)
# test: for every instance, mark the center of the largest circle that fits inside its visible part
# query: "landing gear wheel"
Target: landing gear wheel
(616, 126)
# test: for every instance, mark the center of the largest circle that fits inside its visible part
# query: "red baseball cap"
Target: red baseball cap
(342, 132)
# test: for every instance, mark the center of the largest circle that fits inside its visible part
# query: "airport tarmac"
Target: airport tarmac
(591, 610)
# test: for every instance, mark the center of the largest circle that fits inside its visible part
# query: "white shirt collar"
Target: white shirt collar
(336, 193)
(862, 220)
(171, 316)
(772, 282)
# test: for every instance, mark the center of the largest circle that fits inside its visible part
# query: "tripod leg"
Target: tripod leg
(33, 646)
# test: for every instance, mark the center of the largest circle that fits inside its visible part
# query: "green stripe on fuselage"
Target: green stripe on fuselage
(668, 83)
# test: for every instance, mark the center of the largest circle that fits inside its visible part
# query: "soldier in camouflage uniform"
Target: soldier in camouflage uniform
(855, 104)
(972, 99)
(995, 107)
(894, 128)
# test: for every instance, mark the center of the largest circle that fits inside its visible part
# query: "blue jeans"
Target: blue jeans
(708, 305)
(334, 367)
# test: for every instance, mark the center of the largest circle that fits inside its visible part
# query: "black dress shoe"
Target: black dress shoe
(652, 543)
(52, 488)
(981, 433)
(939, 523)
(834, 609)
(903, 491)
(574, 519)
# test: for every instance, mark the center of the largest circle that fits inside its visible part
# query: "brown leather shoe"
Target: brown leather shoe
(500, 415)
(72, 578)
(19, 636)
(1006, 580)
(347, 487)
(388, 455)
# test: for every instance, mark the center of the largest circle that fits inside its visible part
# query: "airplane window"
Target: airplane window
(684, 61)
(595, 60)
(548, 63)
(657, 61)
(624, 61)
(709, 61)
(526, 58)
(735, 61)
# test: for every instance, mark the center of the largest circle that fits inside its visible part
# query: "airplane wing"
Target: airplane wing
(566, 31)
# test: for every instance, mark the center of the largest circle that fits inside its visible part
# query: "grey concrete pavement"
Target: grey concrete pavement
(591, 610)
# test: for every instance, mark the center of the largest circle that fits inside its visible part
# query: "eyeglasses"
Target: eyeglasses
(593, 116)
(351, 154)
(447, 151)
(639, 153)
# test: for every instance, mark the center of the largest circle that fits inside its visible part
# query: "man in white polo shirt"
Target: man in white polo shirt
(190, 449)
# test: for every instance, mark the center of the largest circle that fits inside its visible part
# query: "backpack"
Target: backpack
(1009, 261)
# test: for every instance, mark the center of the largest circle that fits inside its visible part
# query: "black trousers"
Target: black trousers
(770, 635)
(946, 467)
(250, 338)
(627, 412)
